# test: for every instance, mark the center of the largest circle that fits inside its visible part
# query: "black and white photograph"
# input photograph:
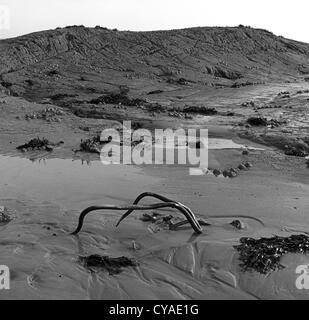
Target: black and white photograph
(154, 151)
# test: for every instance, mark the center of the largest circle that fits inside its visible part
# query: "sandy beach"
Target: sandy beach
(46, 191)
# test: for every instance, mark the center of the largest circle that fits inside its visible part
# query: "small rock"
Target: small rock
(135, 247)
(225, 173)
(242, 167)
(217, 172)
(238, 224)
(248, 165)
(4, 215)
(232, 173)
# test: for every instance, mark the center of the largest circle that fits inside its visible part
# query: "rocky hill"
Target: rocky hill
(79, 61)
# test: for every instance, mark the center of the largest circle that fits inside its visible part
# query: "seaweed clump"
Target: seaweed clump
(36, 144)
(295, 152)
(257, 121)
(4, 215)
(263, 122)
(111, 265)
(264, 255)
(89, 145)
(200, 110)
(92, 145)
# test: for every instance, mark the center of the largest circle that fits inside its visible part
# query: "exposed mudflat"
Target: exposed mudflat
(45, 192)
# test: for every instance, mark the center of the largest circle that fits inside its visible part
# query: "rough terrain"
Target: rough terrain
(246, 86)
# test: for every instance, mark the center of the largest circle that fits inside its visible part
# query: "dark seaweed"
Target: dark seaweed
(295, 151)
(111, 265)
(264, 255)
(91, 145)
(36, 144)
(4, 216)
(200, 110)
(257, 121)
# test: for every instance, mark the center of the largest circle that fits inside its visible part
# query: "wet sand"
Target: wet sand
(46, 196)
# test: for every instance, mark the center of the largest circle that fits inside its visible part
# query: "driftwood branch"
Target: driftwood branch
(167, 203)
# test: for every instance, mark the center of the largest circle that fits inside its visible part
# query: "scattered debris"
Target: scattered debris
(248, 104)
(51, 73)
(135, 246)
(245, 84)
(175, 226)
(232, 172)
(48, 114)
(263, 122)
(302, 91)
(248, 165)
(268, 107)
(229, 174)
(242, 167)
(166, 222)
(180, 81)
(273, 123)
(118, 98)
(257, 121)
(284, 94)
(264, 255)
(295, 151)
(166, 203)
(155, 92)
(153, 217)
(111, 265)
(157, 218)
(92, 145)
(175, 114)
(89, 145)
(38, 144)
(200, 110)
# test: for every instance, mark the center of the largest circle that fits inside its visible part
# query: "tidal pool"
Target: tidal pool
(70, 183)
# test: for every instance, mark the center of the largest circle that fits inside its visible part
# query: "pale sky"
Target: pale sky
(287, 18)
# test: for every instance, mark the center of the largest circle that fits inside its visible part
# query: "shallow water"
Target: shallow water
(219, 144)
(46, 198)
(70, 183)
(150, 152)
